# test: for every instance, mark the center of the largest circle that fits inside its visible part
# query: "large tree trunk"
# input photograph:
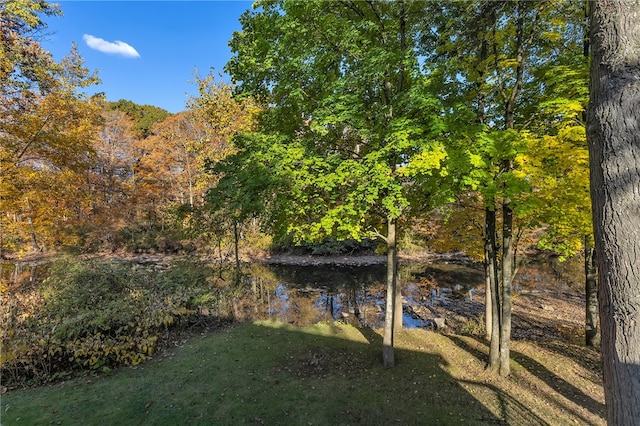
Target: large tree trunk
(592, 331)
(507, 277)
(388, 357)
(613, 132)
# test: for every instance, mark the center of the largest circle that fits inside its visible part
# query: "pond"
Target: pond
(304, 295)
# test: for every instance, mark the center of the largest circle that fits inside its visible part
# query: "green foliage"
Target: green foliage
(330, 246)
(515, 82)
(143, 116)
(558, 167)
(349, 110)
(99, 315)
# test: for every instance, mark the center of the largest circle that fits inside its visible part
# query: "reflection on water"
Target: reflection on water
(19, 274)
(305, 295)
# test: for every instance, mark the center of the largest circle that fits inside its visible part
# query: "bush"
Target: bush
(97, 316)
(474, 326)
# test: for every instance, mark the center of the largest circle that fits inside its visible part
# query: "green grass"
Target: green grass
(327, 374)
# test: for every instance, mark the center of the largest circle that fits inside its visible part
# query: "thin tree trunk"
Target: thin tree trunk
(613, 134)
(488, 302)
(494, 346)
(236, 238)
(507, 276)
(490, 216)
(32, 235)
(494, 288)
(388, 356)
(254, 290)
(592, 331)
(508, 251)
(489, 269)
(398, 312)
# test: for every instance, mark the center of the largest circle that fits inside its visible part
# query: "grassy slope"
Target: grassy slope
(271, 373)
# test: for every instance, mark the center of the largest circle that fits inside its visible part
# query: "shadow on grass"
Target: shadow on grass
(513, 410)
(372, 337)
(548, 336)
(263, 373)
(560, 385)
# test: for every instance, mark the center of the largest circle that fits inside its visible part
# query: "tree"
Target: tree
(25, 70)
(46, 130)
(170, 158)
(557, 162)
(45, 136)
(557, 166)
(350, 128)
(222, 117)
(24, 65)
(110, 181)
(613, 133)
(490, 56)
(143, 116)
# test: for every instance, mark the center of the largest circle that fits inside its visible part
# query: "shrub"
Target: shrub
(474, 326)
(98, 315)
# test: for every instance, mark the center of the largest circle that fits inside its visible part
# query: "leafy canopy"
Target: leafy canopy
(350, 124)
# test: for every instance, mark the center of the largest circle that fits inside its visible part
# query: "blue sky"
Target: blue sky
(147, 51)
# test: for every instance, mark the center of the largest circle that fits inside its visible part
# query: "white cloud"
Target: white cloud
(116, 48)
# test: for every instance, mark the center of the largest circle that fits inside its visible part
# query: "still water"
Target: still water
(14, 274)
(305, 295)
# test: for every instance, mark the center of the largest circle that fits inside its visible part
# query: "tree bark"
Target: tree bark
(393, 265)
(592, 331)
(507, 277)
(32, 235)
(398, 312)
(613, 134)
(388, 356)
(488, 294)
(493, 289)
(236, 244)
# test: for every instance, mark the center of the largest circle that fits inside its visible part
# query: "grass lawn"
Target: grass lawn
(328, 374)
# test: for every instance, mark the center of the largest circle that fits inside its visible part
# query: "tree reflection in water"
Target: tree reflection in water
(309, 294)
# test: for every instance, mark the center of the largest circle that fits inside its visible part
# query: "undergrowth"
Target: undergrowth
(97, 315)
